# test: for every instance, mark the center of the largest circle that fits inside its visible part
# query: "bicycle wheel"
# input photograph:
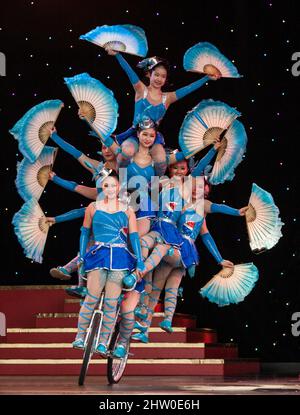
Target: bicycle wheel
(89, 348)
(115, 365)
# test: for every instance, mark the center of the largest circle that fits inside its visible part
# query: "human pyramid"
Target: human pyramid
(140, 230)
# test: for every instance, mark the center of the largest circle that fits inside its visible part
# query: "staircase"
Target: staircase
(43, 347)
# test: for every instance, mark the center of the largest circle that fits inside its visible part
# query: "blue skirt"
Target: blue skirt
(131, 133)
(168, 232)
(189, 253)
(110, 258)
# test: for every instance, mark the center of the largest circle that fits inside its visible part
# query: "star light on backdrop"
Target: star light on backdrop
(265, 96)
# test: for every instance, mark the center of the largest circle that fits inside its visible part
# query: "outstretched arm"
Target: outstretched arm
(68, 148)
(212, 247)
(65, 217)
(182, 92)
(88, 192)
(133, 78)
(210, 207)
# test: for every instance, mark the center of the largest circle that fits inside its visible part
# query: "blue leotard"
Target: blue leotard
(110, 250)
(147, 207)
(170, 207)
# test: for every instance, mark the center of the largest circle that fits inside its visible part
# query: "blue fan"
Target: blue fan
(97, 104)
(121, 38)
(231, 285)
(31, 228)
(230, 154)
(204, 124)
(32, 130)
(32, 178)
(263, 221)
(206, 58)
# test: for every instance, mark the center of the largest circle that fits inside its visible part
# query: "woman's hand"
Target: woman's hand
(50, 221)
(243, 210)
(110, 51)
(51, 130)
(226, 263)
(51, 175)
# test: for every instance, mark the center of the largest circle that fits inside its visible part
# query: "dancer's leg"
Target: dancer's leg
(171, 290)
(95, 284)
(160, 160)
(113, 289)
(143, 225)
(127, 316)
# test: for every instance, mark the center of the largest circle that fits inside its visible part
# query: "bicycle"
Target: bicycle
(115, 365)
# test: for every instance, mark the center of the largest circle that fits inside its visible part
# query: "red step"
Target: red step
(154, 367)
(44, 320)
(67, 335)
(139, 351)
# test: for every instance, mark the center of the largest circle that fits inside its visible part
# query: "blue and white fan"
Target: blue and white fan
(203, 125)
(263, 221)
(231, 285)
(32, 178)
(97, 104)
(206, 58)
(32, 130)
(121, 38)
(31, 229)
(230, 154)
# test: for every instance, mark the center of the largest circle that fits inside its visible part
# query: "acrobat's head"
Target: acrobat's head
(156, 69)
(108, 182)
(146, 132)
(179, 169)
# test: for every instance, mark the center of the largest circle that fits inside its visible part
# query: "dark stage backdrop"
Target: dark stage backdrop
(41, 45)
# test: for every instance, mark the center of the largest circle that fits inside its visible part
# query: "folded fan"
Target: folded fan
(231, 285)
(96, 103)
(263, 221)
(32, 130)
(230, 154)
(204, 124)
(32, 178)
(121, 38)
(206, 58)
(31, 229)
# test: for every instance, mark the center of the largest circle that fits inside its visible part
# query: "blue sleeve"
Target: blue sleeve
(71, 215)
(182, 92)
(211, 246)
(199, 169)
(136, 245)
(84, 240)
(68, 148)
(66, 184)
(134, 79)
(226, 210)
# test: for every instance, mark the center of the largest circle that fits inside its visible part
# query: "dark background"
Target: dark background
(261, 38)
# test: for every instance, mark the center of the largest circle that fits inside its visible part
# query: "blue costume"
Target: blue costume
(170, 207)
(189, 225)
(144, 107)
(147, 206)
(110, 250)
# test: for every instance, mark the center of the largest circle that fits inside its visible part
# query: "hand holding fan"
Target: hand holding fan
(229, 154)
(31, 228)
(120, 38)
(206, 58)
(32, 178)
(263, 221)
(231, 285)
(32, 130)
(97, 104)
(204, 124)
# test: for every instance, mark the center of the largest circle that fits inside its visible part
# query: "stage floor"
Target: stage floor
(150, 385)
